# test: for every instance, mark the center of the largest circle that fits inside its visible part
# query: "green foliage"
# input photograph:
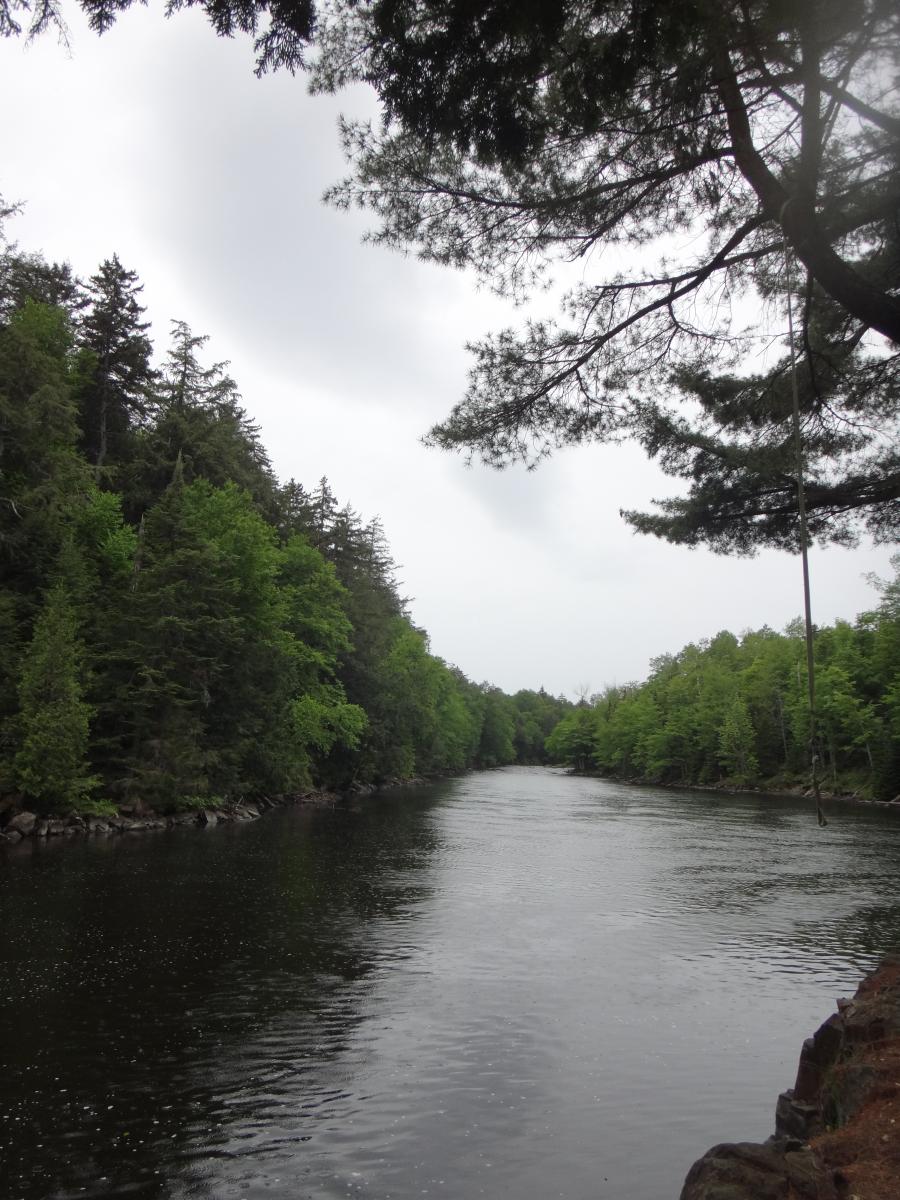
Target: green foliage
(736, 744)
(199, 803)
(572, 741)
(42, 476)
(116, 376)
(516, 135)
(51, 765)
(735, 711)
(498, 726)
(536, 714)
(199, 428)
(177, 627)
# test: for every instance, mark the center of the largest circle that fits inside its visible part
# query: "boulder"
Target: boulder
(22, 823)
(777, 1170)
(207, 817)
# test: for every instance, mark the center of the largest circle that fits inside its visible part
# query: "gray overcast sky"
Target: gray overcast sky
(157, 143)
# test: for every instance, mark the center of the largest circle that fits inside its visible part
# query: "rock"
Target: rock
(41, 829)
(796, 1118)
(12, 836)
(22, 823)
(56, 827)
(851, 1087)
(818, 1056)
(778, 1170)
(847, 1082)
(207, 817)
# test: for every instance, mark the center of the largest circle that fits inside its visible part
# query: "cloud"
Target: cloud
(157, 142)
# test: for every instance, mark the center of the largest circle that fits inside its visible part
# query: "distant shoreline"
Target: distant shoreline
(796, 793)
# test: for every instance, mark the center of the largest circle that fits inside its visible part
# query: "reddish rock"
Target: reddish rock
(846, 1101)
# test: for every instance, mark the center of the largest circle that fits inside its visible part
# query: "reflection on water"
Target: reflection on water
(514, 983)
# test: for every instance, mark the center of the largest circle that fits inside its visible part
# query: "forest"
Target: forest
(181, 629)
(734, 711)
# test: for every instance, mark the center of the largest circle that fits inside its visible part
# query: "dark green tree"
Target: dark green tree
(113, 396)
(198, 420)
(572, 741)
(51, 765)
(498, 727)
(42, 476)
(517, 135)
(30, 277)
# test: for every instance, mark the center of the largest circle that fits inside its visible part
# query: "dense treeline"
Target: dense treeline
(179, 627)
(735, 711)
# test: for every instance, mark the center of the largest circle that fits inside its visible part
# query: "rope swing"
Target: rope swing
(804, 555)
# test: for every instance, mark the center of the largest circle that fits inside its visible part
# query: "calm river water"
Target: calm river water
(515, 984)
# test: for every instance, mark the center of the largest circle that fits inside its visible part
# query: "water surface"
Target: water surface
(518, 983)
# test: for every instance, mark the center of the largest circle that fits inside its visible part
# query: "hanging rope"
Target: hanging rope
(804, 556)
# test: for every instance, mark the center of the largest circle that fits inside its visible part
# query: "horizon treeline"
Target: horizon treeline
(734, 711)
(178, 627)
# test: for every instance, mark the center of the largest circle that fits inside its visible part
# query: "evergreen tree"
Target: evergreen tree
(51, 765)
(114, 391)
(169, 659)
(198, 419)
(30, 277)
(42, 476)
(515, 135)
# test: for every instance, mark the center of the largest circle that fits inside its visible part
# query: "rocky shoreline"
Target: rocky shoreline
(18, 824)
(837, 1130)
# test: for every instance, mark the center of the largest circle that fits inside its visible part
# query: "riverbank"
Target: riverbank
(18, 824)
(837, 1130)
(797, 792)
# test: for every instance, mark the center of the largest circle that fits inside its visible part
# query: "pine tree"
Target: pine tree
(198, 416)
(114, 392)
(42, 476)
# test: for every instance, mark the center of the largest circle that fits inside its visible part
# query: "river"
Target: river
(517, 983)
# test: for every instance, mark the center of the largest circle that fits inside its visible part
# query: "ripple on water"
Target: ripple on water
(496, 985)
